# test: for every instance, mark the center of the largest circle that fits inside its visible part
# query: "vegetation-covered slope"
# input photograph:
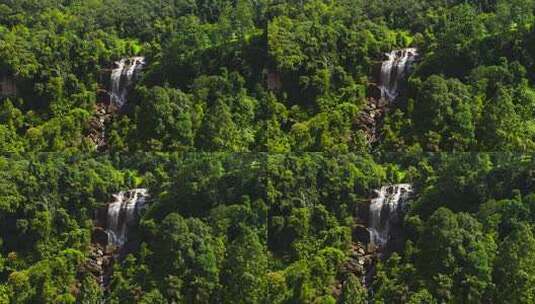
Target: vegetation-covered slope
(227, 228)
(250, 127)
(472, 89)
(202, 90)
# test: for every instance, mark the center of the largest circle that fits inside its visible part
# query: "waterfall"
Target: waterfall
(385, 210)
(393, 70)
(122, 78)
(123, 213)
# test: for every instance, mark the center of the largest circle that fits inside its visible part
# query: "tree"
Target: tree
(391, 283)
(514, 272)
(166, 116)
(191, 273)
(456, 257)
(444, 114)
(353, 292)
(244, 272)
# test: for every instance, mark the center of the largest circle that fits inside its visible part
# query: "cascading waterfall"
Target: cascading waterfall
(123, 213)
(121, 82)
(394, 70)
(385, 210)
(122, 78)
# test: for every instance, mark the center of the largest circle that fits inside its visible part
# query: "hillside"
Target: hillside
(267, 151)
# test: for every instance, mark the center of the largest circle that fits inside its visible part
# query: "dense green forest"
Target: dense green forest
(273, 76)
(267, 151)
(471, 90)
(253, 228)
(202, 89)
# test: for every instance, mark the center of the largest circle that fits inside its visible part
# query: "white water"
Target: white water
(123, 213)
(122, 78)
(385, 209)
(393, 70)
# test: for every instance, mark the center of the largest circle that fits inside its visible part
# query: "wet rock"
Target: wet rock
(362, 212)
(110, 249)
(100, 237)
(100, 216)
(370, 248)
(361, 234)
(374, 91)
(93, 266)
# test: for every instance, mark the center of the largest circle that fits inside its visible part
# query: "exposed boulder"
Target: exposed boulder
(361, 234)
(100, 237)
(8, 87)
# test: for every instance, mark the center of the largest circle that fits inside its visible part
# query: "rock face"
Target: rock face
(359, 263)
(361, 234)
(100, 237)
(273, 80)
(371, 117)
(97, 126)
(7, 87)
(99, 264)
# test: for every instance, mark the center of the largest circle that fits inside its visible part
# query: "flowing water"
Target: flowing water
(394, 70)
(385, 210)
(123, 213)
(122, 78)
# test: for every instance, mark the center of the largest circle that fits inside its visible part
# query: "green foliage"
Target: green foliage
(57, 53)
(452, 257)
(278, 76)
(443, 115)
(514, 271)
(277, 229)
(353, 292)
(49, 281)
(234, 77)
(195, 274)
(449, 240)
(243, 275)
